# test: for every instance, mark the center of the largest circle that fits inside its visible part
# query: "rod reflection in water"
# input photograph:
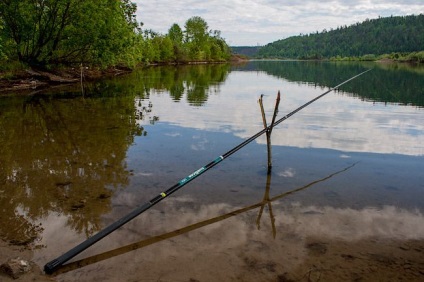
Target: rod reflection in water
(156, 239)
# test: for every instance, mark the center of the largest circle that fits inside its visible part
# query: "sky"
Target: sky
(252, 23)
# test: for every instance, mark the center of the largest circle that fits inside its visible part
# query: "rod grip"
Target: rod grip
(51, 266)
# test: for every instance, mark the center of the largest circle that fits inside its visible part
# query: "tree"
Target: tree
(67, 31)
(2, 55)
(167, 50)
(196, 35)
(218, 46)
(175, 33)
(196, 30)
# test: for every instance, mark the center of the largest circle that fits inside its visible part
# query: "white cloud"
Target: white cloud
(289, 172)
(264, 21)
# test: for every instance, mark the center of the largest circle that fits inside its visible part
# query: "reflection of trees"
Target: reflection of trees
(196, 81)
(66, 154)
(61, 155)
(400, 84)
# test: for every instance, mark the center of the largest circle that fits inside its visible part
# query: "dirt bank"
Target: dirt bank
(29, 80)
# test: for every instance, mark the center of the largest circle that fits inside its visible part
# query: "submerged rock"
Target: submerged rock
(15, 267)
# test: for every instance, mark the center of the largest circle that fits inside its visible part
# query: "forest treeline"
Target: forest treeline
(41, 33)
(393, 36)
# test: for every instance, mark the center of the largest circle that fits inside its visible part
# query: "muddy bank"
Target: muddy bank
(29, 80)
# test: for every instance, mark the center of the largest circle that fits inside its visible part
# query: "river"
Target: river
(343, 201)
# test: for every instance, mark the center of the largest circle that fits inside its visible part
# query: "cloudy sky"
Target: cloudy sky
(253, 22)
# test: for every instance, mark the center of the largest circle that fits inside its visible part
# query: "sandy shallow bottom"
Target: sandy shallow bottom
(320, 260)
(8, 251)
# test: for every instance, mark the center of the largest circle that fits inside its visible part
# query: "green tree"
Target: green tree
(176, 34)
(218, 47)
(196, 36)
(167, 50)
(2, 55)
(196, 30)
(195, 43)
(68, 31)
(151, 46)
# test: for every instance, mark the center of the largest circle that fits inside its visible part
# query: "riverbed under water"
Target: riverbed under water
(343, 202)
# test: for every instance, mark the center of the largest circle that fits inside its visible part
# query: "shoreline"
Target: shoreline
(30, 79)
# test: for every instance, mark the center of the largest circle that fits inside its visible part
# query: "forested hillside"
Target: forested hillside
(249, 51)
(371, 37)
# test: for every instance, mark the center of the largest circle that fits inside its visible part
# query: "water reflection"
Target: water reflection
(335, 122)
(265, 202)
(194, 83)
(388, 83)
(64, 152)
(292, 220)
(65, 156)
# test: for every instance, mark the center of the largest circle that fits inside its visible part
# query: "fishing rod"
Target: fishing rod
(53, 265)
(180, 231)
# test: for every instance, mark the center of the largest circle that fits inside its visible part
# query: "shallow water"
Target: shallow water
(343, 201)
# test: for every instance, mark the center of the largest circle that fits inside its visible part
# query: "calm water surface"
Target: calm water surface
(344, 200)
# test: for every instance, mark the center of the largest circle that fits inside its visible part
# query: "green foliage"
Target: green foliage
(175, 33)
(101, 33)
(377, 36)
(416, 57)
(2, 55)
(196, 37)
(67, 31)
(249, 51)
(194, 43)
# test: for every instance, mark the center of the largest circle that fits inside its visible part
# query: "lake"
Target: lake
(343, 201)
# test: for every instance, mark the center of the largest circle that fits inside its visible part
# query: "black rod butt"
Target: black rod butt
(52, 266)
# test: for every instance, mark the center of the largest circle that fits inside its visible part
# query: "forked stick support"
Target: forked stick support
(270, 127)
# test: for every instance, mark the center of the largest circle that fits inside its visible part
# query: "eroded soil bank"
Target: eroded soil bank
(30, 80)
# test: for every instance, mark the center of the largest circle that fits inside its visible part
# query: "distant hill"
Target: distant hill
(249, 51)
(371, 37)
